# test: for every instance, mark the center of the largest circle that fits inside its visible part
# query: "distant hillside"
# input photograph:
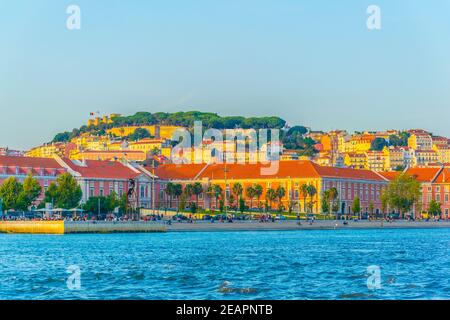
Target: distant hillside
(183, 119)
(292, 139)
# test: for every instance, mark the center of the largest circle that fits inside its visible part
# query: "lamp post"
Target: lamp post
(153, 186)
(226, 189)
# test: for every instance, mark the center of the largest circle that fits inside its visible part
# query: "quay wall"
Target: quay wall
(111, 227)
(65, 227)
(33, 227)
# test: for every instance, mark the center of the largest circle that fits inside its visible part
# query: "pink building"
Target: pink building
(43, 169)
(96, 178)
(101, 178)
(435, 185)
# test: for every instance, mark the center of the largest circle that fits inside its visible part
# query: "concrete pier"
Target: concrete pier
(66, 227)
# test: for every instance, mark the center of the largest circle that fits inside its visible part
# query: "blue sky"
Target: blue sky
(313, 63)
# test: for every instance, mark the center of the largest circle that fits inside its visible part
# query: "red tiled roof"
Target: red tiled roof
(103, 169)
(111, 151)
(29, 162)
(390, 175)
(423, 174)
(444, 176)
(287, 169)
(425, 151)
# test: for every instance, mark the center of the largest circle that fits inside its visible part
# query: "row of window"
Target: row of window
(438, 197)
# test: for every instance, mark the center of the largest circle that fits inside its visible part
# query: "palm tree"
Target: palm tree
(169, 192)
(177, 192)
(237, 190)
(271, 195)
(280, 192)
(217, 189)
(312, 191)
(304, 193)
(258, 193)
(251, 193)
(189, 191)
(332, 196)
(197, 190)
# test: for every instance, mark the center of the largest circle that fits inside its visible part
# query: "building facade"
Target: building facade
(96, 178)
(291, 175)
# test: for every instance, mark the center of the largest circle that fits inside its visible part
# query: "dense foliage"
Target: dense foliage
(402, 193)
(294, 139)
(65, 193)
(399, 140)
(378, 144)
(184, 119)
(17, 196)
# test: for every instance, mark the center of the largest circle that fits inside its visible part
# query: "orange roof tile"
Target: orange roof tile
(287, 169)
(29, 162)
(444, 176)
(423, 174)
(390, 175)
(103, 169)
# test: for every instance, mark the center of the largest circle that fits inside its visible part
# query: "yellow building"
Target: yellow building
(47, 150)
(420, 141)
(423, 158)
(359, 143)
(128, 155)
(102, 120)
(355, 160)
(157, 131)
(376, 160)
(443, 153)
(147, 145)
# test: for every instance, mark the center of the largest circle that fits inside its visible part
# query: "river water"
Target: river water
(320, 264)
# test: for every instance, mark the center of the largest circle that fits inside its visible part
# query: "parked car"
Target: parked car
(179, 217)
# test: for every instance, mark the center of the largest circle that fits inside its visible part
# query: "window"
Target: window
(446, 197)
(142, 191)
(438, 197)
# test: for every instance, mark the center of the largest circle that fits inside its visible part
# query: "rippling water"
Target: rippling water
(415, 264)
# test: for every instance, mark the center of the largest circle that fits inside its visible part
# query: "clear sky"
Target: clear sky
(311, 62)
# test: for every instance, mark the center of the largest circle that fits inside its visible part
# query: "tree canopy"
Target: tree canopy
(378, 144)
(399, 140)
(18, 196)
(402, 193)
(183, 119)
(101, 204)
(139, 134)
(65, 193)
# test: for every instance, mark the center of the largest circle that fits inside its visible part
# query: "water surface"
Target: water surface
(321, 264)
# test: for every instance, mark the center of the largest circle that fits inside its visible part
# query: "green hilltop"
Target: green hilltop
(293, 138)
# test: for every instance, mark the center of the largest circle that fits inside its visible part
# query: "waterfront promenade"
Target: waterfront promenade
(291, 225)
(67, 227)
